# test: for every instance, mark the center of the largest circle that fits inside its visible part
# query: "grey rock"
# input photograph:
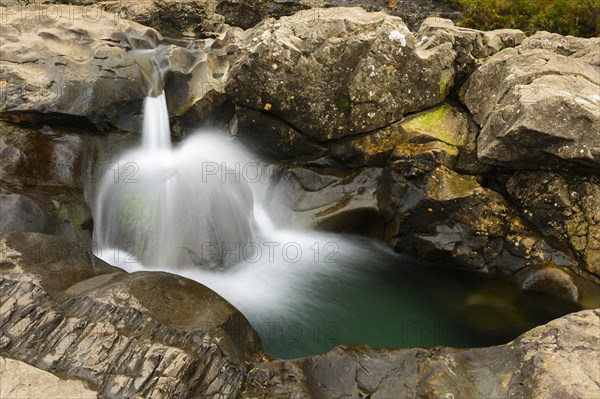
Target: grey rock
(563, 206)
(544, 108)
(438, 214)
(128, 335)
(336, 73)
(471, 47)
(20, 213)
(341, 201)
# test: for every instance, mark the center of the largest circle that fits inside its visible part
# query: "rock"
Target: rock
(89, 327)
(70, 62)
(341, 201)
(20, 213)
(565, 207)
(549, 278)
(175, 18)
(443, 127)
(440, 215)
(470, 46)
(48, 157)
(20, 380)
(340, 72)
(556, 359)
(128, 335)
(272, 137)
(544, 108)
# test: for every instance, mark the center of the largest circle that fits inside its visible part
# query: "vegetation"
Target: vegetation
(567, 17)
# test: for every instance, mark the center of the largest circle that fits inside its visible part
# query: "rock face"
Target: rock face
(340, 72)
(544, 109)
(554, 360)
(563, 206)
(148, 334)
(438, 214)
(471, 47)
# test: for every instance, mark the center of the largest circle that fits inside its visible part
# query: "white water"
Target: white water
(162, 199)
(175, 207)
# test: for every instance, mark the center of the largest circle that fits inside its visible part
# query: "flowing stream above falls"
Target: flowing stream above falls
(189, 209)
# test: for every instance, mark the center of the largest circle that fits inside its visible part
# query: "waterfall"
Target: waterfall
(174, 206)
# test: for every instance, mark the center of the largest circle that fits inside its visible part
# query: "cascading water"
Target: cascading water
(188, 210)
(173, 206)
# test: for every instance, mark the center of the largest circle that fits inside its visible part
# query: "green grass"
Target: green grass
(567, 17)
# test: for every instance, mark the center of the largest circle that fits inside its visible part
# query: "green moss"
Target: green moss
(445, 87)
(439, 123)
(343, 103)
(76, 215)
(567, 17)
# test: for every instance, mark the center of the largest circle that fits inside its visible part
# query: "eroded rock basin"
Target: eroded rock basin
(345, 290)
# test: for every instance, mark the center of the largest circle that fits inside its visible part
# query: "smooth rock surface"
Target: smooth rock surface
(327, 199)
(68, 60)
(18, 380)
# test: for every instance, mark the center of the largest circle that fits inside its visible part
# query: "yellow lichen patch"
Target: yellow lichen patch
(443, 123)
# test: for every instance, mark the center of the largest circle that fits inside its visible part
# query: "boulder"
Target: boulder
(69, 60)
(554, 360)
(563, 206)
(470, 46)
(127, 335)
(538, 104)
(340, 201)
(338, 72)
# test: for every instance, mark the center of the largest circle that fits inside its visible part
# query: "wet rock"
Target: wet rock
(272, 137)
(549, 278)
(341, 201)
(340, 72)
(31, 157)
(20, 213)
(533, 365)
(128, 335)
(565, 207)
(440, 215)
(544, 108)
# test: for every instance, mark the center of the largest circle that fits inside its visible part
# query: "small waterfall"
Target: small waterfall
(176, 207)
